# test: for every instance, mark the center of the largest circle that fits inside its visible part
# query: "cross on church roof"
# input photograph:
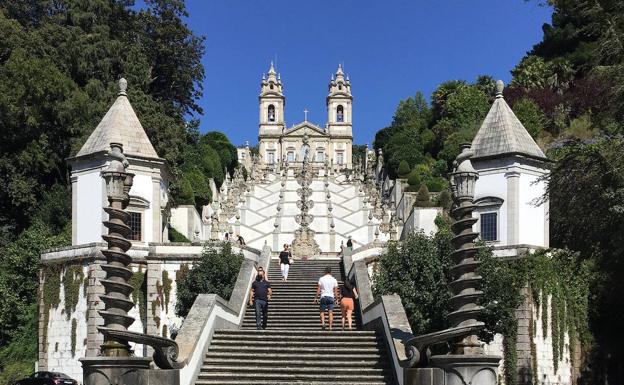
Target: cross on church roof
(305, 114)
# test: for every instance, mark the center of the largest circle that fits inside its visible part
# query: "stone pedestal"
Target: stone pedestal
(477, 369)
(126, 371)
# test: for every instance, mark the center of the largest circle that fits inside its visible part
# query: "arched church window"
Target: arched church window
(339, 87)
(340, 114)
(271, 113)
(271, 86)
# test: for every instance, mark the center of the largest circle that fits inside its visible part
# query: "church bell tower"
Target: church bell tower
(272, 102)
(339, 105)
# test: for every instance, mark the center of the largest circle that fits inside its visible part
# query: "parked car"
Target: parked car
(47, 378)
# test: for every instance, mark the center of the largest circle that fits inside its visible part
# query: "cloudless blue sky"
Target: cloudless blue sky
(390, 49)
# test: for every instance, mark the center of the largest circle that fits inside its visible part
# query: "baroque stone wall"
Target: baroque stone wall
(68, 315)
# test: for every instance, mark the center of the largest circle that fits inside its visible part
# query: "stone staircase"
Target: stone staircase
(293, 349)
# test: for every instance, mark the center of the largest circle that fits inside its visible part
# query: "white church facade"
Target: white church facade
(331, 143)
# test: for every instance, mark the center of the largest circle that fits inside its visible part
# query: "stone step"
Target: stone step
(279, 367)
(336, 327)
(305, 344)
(286, 349)
(294, 312)
(289, 318)
(311, 361)
(286, 382)
(303, 357)
(327, 377)
(287, 332)
(296, 338)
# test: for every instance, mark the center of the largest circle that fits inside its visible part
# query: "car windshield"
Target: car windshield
(61, 375)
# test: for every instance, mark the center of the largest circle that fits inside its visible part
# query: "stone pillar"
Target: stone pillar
(152, 276)
(513, 207)
(74, 189)
(524, 315)
(94, 291)
(276, 239)
(157, 233)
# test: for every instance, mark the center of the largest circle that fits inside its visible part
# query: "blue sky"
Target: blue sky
(390, 49)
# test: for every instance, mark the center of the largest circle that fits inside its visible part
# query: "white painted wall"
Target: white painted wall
(89, 211)
(492, 183)
(422, 218)
(186, 220)
(533, 219)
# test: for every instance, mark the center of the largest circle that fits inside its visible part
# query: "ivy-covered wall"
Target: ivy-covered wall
(63, 316)
(542, 342)
(69, 301)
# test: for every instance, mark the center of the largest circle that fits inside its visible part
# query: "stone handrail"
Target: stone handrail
(209, 312)
(384, 314)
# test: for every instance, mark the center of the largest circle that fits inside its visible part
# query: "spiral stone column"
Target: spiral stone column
(116, 299)
(466, 283)
(465, 361)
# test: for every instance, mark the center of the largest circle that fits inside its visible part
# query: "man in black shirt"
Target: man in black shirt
(259, 295)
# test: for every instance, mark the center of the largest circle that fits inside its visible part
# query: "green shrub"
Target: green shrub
(176, 236)
(414, 179)
(403, 170)
(436, 184)
(440, 168)
(214, 273)
(423, 199)
(445, 200)
(185, 192)
(201, 187)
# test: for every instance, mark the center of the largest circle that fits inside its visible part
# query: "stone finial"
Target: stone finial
(500, 86)
(123, 85)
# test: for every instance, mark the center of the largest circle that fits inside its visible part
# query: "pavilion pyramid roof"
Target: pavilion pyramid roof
(120, 125)
(501, 133)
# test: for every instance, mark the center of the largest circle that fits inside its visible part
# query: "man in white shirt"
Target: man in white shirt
(328, 291)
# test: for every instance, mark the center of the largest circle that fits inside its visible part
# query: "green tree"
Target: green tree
(359, 152)
(532, 72)
(530, 115)
(214, 273)
(59, 66)
(223, 147)
(416, 269)
(585, 190)
(414, 179)
(404, 169)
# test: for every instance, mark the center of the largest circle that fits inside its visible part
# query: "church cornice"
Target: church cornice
(339, 95)
(302, 126)
(271, 94)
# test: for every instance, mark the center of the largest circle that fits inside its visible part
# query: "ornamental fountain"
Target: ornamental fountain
(304, 245)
